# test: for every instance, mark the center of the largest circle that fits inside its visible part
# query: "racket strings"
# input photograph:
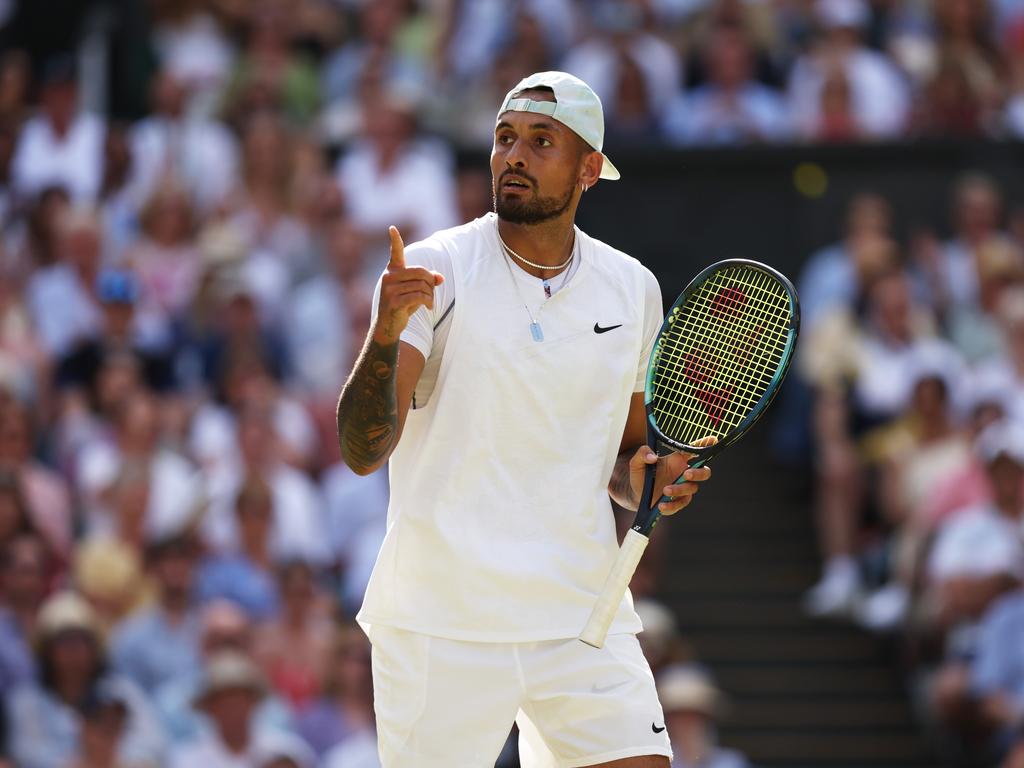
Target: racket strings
(745, 323)
(735, 353)
(718, 403)
(748, 387)
(721, 354)
(732, 366)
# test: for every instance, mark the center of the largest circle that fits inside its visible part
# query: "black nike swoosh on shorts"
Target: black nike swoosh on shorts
(599, 329)
(656, 729)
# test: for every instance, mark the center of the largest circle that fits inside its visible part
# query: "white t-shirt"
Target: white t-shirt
(377, 197)
(500, 527)
(980, 542)
(202, 153)
(879, 95)
(74, 160)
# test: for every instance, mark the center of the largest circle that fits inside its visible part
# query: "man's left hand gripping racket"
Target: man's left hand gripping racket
(719, 359)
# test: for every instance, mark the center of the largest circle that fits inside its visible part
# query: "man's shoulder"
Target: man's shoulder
(1007, 609)
(445, 245)
(471, 233)
(140, 627)
(611, 259)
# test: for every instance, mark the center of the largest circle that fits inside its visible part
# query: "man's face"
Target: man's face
(59, 102)
(83, 248)
(14, 436)
(174, 570)
(24, 579)
(978, 211)
(729, 59)
(535, 165)
(1006, 476)
(231, 709)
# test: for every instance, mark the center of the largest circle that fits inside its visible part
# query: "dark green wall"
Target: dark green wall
(678, 211)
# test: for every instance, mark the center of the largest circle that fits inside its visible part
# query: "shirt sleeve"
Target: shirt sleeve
(420, 330)
(992, 670)
(654, 315)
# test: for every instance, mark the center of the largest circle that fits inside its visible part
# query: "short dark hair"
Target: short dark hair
(539, 88)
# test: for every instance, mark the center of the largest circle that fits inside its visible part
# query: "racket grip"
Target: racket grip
(607, 605)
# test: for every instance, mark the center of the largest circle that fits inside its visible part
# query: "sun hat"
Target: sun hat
(229, 671)
(576, 106)
(1003, 439)
(66, 612)
(686, 688)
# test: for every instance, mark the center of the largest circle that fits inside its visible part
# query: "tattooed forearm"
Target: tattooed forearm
(619, 486)
(367, 408)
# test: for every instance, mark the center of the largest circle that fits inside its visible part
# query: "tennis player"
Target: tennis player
(503, 375)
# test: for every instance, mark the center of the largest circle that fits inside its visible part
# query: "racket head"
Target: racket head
(721, 356)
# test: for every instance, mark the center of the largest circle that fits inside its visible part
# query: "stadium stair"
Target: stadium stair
(802, 693)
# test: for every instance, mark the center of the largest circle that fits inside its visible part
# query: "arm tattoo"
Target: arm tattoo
(619, 487)
(367, 408)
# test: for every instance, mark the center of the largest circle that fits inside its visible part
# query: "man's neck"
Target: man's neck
(1010, 508)
(236, 739)
(175, 607)
(548, 243)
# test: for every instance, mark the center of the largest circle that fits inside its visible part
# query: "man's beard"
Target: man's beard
(535, 211)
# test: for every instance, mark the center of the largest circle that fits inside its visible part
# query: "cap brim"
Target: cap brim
(608, 171)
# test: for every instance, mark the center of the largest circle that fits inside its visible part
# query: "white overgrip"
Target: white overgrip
(607, 605)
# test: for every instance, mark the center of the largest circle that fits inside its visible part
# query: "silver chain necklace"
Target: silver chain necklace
(510, 252)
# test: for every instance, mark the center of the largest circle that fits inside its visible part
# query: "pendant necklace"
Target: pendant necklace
(535, 330)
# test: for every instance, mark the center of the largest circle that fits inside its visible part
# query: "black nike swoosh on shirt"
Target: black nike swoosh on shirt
(656, 729)
(599, 329)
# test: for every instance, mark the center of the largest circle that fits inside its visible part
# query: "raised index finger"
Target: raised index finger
(397, 260)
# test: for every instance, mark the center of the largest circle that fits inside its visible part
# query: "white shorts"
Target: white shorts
(451, 703)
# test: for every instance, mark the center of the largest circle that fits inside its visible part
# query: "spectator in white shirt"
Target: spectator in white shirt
(978, 554)
(174, 489)
(60, 145)
(60, 296)
(198, 152)
(978, 557)
(191, 44)
(732, 107)
(620, 36)
(878, 95)
(246, 381)
(298, 529)
(392, 176)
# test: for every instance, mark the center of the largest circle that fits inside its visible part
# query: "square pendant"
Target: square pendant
(536, 332)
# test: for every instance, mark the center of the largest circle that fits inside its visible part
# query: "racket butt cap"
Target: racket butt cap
(607, 605)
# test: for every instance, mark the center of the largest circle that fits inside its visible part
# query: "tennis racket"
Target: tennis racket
(718, 362)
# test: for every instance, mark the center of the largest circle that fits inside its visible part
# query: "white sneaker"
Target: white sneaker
(885, 609)
(836, 593)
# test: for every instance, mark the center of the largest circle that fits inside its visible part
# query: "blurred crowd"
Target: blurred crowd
(913, 355)
(189, 240)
